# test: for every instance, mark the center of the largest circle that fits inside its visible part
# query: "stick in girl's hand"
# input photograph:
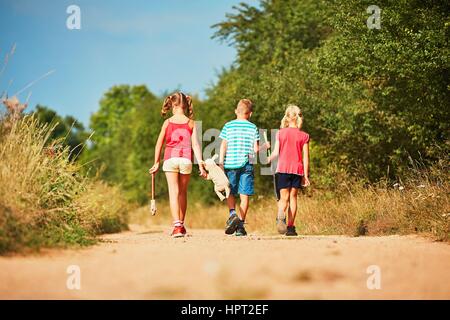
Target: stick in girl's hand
(152, 201)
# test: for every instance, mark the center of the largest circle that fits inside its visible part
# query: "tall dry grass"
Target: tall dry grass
(420, 204)
(44, 199)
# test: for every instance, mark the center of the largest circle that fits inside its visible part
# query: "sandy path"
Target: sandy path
(147, 264)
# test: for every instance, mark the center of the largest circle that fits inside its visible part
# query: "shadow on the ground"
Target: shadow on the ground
(149, 232)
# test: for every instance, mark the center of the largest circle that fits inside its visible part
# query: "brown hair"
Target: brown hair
(244, 106)
(178, 99)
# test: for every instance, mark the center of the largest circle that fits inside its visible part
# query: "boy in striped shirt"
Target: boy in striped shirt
(240, 142)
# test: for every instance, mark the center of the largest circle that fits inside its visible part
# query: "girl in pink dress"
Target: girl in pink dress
(292, 150)
(179, 135)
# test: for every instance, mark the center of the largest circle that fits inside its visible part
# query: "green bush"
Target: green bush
(45, 201)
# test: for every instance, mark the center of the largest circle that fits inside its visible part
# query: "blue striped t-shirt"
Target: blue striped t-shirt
(240, 136)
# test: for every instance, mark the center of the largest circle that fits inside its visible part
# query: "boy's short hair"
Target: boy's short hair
(244, 106)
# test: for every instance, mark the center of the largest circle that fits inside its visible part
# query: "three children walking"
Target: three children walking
(240, 143)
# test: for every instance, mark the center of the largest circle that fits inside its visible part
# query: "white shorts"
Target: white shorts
(181, 165)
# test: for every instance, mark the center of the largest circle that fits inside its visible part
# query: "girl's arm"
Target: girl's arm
(275, 152)
(158, 147)
(197, 151)
(306, 165)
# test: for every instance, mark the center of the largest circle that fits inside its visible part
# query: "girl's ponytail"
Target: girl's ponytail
(284, 122)
(167, 106)
(292, 113)
(190, 107)
(178, 99)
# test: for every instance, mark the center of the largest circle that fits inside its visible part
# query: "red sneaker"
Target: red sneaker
(177, 232)
(183, 230)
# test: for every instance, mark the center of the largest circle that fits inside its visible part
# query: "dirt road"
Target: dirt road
(147, 264)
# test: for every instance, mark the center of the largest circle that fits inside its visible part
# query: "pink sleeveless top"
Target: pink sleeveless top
(178, 141)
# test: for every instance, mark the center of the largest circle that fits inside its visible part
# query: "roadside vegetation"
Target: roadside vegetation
(45, 199)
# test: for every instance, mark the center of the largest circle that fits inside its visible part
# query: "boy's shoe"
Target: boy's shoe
(232, 224)
(240, 231)
(183, 230)
(291, 231)
(281, 223)
(177, 232)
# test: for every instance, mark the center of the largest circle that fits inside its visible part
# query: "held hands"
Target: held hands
(305, 181)
(154, 168)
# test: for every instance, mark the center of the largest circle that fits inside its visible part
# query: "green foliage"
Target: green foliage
(370, 98)
(44, 199)
(67, 129)
(125, 129)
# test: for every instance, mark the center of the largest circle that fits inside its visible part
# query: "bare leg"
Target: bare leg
(231, 201)
(292, 206)
(283, 203)
(182, 196)
(243, 206)
(172, 183)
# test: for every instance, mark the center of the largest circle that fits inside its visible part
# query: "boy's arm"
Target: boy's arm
(257, 146)
(223, 145)
(223, 151)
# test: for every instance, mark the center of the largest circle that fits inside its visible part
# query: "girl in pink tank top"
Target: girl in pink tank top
(292, 150)
(178, 140)
(178, 133)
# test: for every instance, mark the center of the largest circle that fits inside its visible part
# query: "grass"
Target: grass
(418, 205)
(44, 199)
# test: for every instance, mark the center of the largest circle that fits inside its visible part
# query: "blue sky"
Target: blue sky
(164, 44)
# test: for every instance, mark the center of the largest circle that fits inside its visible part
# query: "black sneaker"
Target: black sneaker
(232, 224)
(240, 231)
(291, 231)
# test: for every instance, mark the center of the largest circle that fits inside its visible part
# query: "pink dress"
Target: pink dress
(291, 141)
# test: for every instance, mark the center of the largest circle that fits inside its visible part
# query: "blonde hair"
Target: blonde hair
(245, 106)
(292, 113)
(178, 99)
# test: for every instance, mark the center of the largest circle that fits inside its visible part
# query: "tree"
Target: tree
(371, 98)
(67, 128)
(124, 129)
